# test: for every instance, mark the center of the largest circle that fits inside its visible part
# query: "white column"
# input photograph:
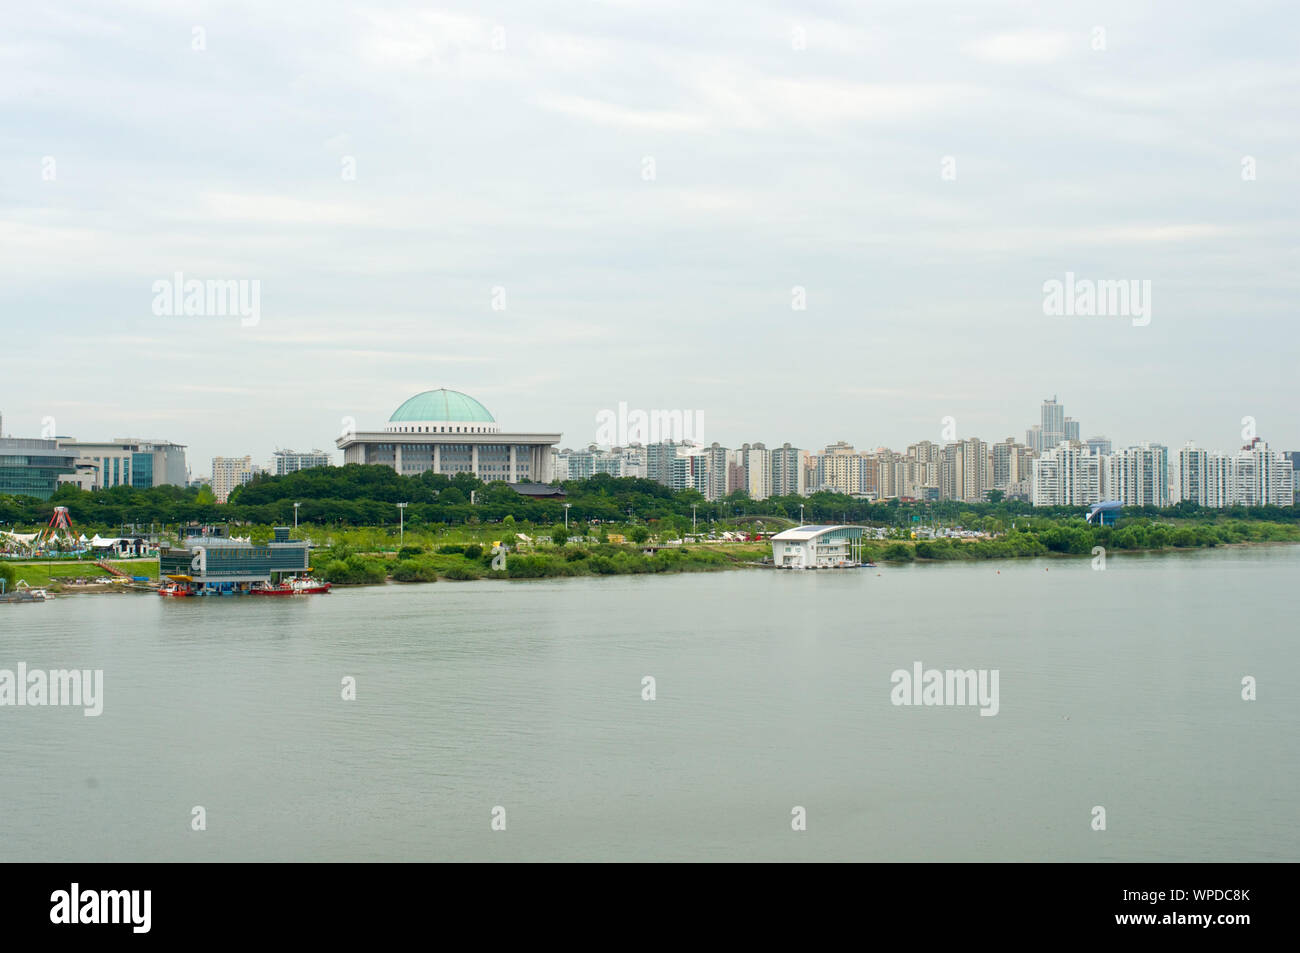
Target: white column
(514, 476)
(473, 458)
(397, 457)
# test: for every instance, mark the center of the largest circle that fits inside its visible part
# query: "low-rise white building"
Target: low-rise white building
(817, 547)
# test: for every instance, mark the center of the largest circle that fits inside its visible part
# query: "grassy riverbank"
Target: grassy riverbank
(58, 575)
(473, 560)
(466, 562)
(1077, 538)
(376, 555)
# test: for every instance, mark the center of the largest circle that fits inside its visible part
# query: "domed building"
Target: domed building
(449, 432)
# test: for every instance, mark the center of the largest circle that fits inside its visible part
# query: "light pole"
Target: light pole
(295, 514)
(401, 515)
(800, 514)
(566, 518)
(692, 519)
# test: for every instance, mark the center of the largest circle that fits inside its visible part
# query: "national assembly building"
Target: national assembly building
(445, 431)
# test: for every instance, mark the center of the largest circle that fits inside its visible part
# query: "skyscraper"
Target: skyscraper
(1052, 423)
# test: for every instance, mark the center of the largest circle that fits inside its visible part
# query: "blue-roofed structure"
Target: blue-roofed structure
(1105, 513)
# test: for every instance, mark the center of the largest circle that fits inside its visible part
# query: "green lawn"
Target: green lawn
(40, 574)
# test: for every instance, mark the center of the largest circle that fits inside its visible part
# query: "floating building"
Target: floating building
(216, 564)
(818, 547)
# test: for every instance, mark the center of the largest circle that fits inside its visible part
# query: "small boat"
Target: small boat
(305, 586)
(175, 590)
(24, 593)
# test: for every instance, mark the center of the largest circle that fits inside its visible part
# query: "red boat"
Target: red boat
(293, 587)
(175, 590)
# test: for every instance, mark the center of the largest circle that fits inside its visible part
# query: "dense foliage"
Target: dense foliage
(357, 495)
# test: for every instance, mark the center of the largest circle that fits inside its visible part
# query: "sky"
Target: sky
(558, 207)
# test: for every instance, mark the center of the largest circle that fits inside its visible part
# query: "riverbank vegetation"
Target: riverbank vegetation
(54, 574)
(339, 564)
(357, 496)
(457, 528)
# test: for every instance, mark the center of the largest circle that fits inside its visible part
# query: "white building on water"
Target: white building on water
(817, 547)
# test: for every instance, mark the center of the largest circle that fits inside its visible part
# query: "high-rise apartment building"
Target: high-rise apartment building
(964, 471)
(1262, 477)
(1009, 462)
(1139, 476)
(290, 461)
(1252, 476)
(1067, 475)
(756, 460)
(839, 469)
(690, 469)
(788, 471)
(921, 469)
(720, 461)
(230, 472)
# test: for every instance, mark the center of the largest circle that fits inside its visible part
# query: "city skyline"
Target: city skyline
(199, 463)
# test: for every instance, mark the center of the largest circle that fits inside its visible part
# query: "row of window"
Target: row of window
(445, 429)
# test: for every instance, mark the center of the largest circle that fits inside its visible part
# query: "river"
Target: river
(1119, 689)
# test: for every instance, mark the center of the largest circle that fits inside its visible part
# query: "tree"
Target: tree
(559, 535)
(639, 534)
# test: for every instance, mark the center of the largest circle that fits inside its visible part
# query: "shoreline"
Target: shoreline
(99, 589)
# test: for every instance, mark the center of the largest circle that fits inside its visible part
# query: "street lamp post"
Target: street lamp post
(566, 518)
(800, 514)
(692, 519)
(401, 515)
(295, 514)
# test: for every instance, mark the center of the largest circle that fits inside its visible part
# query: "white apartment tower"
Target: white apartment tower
(228, 473)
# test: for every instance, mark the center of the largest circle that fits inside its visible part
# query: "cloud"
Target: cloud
(1023, 47)
(613, 114)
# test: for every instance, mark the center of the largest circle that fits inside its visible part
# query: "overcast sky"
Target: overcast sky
(505, 146)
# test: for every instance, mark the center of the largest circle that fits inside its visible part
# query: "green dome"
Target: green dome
(442, 406)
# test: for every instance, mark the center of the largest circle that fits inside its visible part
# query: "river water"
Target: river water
(1119, 689)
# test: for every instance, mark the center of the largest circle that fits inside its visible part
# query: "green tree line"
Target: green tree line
(364, 495)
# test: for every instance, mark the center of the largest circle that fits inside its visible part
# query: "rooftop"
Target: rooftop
(442, 406)
(809, 532)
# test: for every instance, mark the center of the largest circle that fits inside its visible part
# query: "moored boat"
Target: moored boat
(305, 586)
(24, 594)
